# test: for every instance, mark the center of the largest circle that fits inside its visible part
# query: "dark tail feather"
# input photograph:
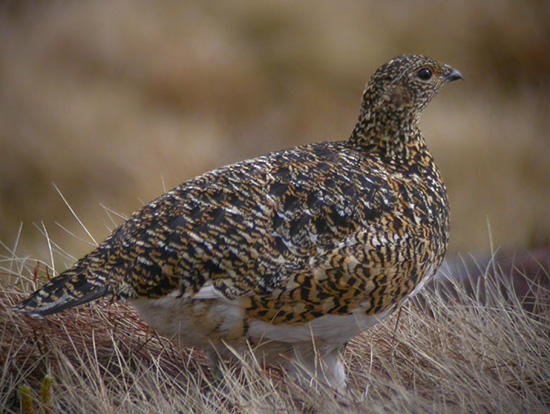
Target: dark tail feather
(62, 292)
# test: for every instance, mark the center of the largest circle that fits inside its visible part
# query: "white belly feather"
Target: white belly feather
(210, 317)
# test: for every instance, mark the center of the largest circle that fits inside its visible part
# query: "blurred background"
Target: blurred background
(116, 102)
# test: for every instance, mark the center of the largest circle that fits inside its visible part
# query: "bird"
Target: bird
(291, 254)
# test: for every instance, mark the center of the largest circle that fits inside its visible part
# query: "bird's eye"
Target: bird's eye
(424, 74)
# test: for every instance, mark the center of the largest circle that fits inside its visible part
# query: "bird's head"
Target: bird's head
(394, 99)
(405, 85)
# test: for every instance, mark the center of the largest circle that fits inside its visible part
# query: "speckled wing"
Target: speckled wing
(294, 235)
(246, 228)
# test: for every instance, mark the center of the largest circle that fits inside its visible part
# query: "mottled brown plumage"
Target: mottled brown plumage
(312, 243)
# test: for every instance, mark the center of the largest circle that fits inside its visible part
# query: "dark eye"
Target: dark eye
(424, 74)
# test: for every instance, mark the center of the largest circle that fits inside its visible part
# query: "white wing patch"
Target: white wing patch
(207, 291)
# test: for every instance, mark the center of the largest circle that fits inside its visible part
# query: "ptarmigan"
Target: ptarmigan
(292, 253)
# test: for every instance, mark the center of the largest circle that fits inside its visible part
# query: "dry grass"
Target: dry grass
(111, 100)
(475, 351)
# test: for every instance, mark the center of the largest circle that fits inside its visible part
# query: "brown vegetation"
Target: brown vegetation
(116, 102)
(440, 354)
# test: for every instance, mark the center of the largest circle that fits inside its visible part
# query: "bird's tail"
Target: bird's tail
(73, 287)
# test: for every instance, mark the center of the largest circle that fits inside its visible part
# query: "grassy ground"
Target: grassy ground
(115, 102)
(477, 350)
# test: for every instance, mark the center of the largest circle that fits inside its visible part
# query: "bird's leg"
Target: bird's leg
(326, 364)
(215, 361)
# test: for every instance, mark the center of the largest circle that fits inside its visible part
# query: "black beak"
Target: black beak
(454, 75)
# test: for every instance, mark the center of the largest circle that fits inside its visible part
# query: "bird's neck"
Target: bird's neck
(392, 134)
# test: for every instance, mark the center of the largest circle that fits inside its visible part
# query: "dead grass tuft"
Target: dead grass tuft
(441, 353)
(111, 101)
